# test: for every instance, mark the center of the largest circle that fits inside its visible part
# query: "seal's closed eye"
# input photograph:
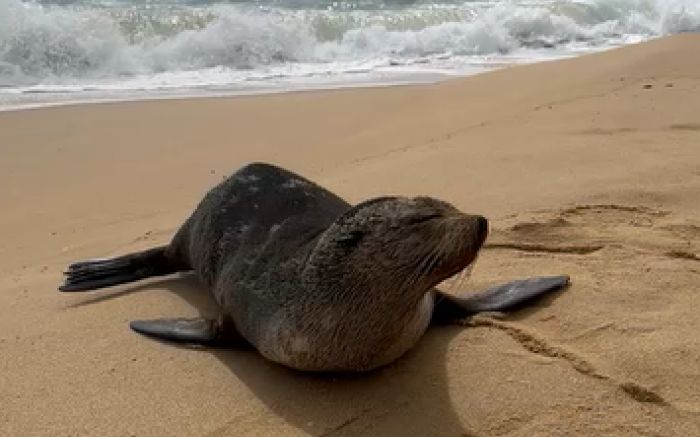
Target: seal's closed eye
(422, 218)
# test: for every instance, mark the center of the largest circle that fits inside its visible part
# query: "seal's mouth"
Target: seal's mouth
(454, 255)
(456, 281)
(457, 270)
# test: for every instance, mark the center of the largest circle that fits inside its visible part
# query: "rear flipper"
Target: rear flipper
(210, 332)
(500, 298)
(91, 275)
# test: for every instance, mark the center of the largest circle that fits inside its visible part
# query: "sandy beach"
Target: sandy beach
(588, 166)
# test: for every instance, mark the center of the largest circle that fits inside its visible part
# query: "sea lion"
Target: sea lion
(310, 281)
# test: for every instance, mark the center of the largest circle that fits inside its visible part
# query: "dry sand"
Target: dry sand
(589, 166)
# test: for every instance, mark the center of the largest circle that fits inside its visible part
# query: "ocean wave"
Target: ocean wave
(64, 43)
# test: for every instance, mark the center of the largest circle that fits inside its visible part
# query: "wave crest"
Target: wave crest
(57, 44)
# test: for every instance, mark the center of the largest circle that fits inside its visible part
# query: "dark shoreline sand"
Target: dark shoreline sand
(589, 166)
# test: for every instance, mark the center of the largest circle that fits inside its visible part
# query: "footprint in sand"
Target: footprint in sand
(587, 229)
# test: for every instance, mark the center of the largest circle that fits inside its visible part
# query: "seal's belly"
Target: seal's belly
(319, 350)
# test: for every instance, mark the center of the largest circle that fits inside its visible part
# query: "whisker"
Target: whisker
(462, 278)
(468, 272)
(426, 265)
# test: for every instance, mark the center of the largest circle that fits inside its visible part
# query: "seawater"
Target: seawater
(76, 50)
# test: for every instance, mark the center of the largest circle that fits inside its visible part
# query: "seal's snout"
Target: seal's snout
(469, 231)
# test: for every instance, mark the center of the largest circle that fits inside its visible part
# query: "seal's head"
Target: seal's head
(400, 244)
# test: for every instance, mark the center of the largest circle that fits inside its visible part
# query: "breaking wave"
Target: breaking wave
(105, 42)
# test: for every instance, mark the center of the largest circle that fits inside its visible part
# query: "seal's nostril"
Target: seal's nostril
(483, 225)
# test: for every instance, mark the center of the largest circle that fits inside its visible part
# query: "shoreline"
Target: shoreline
(197, 95)
(587, 166)
(415, 78)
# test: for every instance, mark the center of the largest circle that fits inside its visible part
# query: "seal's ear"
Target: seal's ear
(351, 239)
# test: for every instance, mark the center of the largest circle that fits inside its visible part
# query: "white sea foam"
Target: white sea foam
(122, 46)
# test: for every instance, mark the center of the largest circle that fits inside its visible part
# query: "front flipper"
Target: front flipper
(500, 298)
(210, 332)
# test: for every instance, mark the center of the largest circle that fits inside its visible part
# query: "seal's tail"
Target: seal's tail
(94, 274)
